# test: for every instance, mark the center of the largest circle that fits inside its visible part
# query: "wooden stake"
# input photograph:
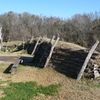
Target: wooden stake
(36, 46)
(87, 60)
(51, 51)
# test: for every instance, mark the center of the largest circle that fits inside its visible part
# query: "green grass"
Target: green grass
(26, 91)
(98, 85)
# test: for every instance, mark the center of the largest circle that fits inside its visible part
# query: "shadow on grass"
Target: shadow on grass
(8, 69)
(29, 61)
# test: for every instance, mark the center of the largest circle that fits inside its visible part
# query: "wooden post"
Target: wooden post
(87, 60)
(36, 46)
(51, 51)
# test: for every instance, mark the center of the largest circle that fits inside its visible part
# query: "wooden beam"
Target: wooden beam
(87, 60)
(36, 46)
(51, 51)
(15, 65)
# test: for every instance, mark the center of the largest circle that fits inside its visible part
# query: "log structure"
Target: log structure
(43, 52)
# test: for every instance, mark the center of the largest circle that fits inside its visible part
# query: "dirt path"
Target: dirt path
(8, 58)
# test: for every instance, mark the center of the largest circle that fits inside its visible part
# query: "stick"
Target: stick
(51, 51)
(87, 60)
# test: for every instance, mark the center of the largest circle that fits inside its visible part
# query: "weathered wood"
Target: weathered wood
(87, 60)
(36, 46)
(15, 65)
(51, 51)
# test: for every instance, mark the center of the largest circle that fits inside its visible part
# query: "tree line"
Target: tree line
(82, 29)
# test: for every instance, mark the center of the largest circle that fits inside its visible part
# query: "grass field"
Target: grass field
(27, 90)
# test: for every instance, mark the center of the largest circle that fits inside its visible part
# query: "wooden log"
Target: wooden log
(36, 46)
(87, 60)
(51, 51)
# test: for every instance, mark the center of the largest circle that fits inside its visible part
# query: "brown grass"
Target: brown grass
(70, 88)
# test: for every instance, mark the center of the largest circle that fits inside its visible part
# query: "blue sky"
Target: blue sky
(58, 8)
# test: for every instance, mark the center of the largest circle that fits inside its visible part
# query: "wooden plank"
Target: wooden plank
(87, 60)
(51, 51)
(15, 65)
(36, 46)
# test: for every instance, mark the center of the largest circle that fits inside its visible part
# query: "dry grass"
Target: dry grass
(70, 88)
(69, 45)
